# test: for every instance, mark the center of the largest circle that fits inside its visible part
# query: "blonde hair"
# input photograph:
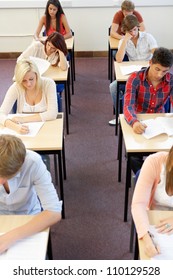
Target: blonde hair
(12, 155)
(169, 172)
(22, 67)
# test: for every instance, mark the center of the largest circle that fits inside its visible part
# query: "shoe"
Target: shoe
(112, 122)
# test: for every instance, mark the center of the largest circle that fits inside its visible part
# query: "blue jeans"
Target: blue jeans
(113, 92)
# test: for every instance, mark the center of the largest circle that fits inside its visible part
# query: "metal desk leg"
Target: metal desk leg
(66, 108)
(117, 109)
(109, 60)
(120, 139)
(128, 182)
(49, 247)
(61, 183)
(111, 66)
(72, 73)
(64, 161)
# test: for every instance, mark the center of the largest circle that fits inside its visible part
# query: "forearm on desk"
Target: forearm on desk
(39, 223)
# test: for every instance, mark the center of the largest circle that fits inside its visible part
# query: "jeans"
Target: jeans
(113, 92)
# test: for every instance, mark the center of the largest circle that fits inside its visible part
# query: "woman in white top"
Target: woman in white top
(54, 50)
(34, 95)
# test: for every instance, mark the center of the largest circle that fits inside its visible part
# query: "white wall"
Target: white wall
(89, 24)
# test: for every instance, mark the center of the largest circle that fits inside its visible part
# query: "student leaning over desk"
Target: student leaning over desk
(25, 189)
(127, 8)
(35, 96)
(54, 50)
(148, 91)
(154, 191)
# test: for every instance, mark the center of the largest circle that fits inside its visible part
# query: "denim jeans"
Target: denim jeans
(113, 92)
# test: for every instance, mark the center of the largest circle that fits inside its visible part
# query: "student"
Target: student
(53, 20)
(26, 189)
(147, 91)
(35, 96)
(136, 45)
(54, 50)
(127, 8)
(154, 191)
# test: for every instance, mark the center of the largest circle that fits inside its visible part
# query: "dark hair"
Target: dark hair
(129, 22)
(60, 11)
(127, 6)
(57, 41)
(163, 57)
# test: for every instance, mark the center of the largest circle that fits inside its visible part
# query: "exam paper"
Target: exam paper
(126, 70)
(31, 248)
(42, 64)
(165, 243)
(34, 128)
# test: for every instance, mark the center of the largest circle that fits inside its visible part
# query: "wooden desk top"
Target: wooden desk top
(9, 222)
(137, 143)
(117, 66)
(154, 217)
(113, 43)
(49, 137)
(56, 74)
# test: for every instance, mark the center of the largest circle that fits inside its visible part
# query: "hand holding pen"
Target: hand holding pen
(151, 248)
(139, 127)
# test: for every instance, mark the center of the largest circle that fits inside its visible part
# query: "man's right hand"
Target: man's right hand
(139, 127)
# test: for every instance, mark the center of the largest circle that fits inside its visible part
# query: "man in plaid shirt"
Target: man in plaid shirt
(147, 91)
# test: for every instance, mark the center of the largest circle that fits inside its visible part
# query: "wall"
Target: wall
(89, 24)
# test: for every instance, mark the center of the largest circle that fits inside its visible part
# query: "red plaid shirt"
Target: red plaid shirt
(141, 97)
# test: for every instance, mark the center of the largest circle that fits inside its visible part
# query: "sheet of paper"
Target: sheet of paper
(126, 70)
(158, 126)
(165, 243)
(34, 128)
(42, 64)
(153, 129)
(31, 248)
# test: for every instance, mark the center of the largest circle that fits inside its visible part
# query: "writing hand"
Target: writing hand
(150, 247)
(23, 129)
(139, 127)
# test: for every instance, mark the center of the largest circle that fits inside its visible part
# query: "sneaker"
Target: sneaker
(113, 122)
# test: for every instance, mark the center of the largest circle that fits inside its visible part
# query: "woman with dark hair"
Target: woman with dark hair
(54, 50)
(53, 20)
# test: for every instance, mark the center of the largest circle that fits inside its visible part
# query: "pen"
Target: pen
(152, 238)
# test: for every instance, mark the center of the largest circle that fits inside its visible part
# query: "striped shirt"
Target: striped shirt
(142, 97)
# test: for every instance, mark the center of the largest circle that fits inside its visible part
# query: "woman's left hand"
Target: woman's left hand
(165, 226)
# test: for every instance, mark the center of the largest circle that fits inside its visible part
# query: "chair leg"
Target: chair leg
(136, 252)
